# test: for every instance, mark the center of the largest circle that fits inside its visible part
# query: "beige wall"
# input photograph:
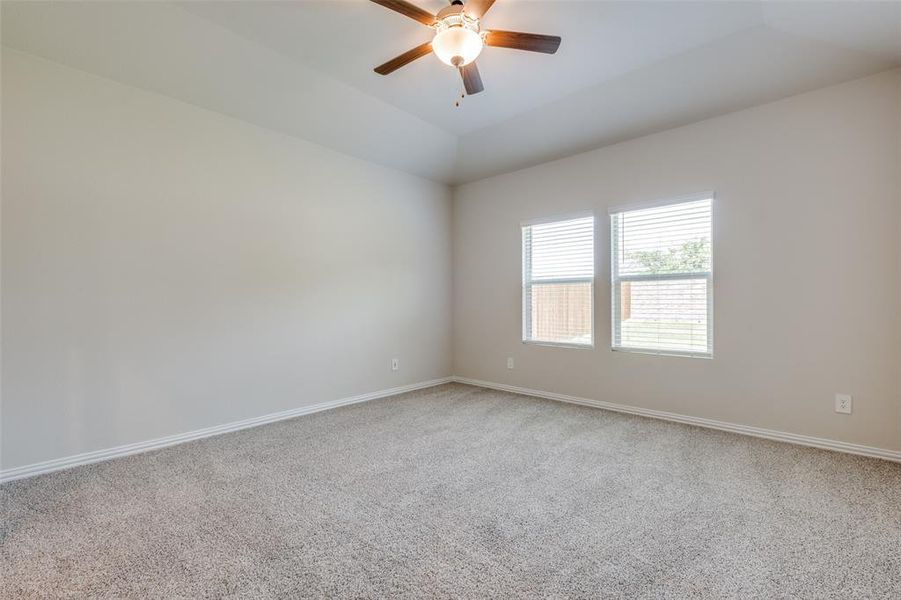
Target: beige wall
(807, 266)
(166, 268)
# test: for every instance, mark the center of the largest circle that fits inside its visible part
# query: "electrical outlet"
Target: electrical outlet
(510, 363)
(395, 364)
(843, 403)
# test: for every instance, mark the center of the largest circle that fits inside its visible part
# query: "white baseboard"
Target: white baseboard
(770, 434)
(119, 451)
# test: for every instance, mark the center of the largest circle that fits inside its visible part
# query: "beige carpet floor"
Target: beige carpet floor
(458, 491)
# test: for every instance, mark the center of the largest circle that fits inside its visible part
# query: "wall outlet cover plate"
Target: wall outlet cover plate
(843, 403)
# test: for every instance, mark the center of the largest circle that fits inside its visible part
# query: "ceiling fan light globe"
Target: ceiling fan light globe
(457, 46)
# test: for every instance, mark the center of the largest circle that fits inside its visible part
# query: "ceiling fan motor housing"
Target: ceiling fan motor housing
(453, 9)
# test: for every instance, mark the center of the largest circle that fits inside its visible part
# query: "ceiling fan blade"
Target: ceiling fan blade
(533, 42)
(477, 8)
(407, 9)
(407, 57)
(472, 81)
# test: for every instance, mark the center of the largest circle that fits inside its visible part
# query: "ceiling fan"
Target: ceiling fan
(459, 38)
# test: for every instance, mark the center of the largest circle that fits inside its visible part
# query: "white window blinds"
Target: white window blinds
(662, 275)
(558, 282)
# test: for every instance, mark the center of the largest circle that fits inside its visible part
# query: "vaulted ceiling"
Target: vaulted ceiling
(624, 69)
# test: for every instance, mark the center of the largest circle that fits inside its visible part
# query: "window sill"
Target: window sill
(672, 353)
(559, 345)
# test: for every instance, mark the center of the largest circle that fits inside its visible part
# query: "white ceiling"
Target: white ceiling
(600, 41)
(624, 68)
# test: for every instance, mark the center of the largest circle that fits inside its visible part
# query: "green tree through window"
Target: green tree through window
(691, 257)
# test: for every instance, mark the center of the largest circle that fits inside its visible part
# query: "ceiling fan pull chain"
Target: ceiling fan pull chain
(462, 96)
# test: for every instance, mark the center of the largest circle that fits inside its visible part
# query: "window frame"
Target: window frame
(526, 312)
(616, 279)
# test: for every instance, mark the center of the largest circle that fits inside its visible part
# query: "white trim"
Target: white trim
(770, 434)
(574, 345)
(120, 451)
(128, 449)
(666, 276)
(556, 280)
(653, 352)
(572, 216)
(658, 202)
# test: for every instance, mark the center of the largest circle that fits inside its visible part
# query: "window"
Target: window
(662, 278)
(558, 282)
